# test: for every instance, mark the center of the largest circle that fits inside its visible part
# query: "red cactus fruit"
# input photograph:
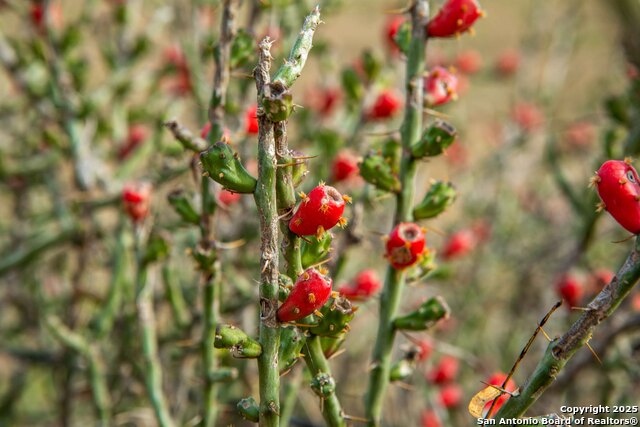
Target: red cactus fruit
(440, 87)
(635, 302)
(387, 105)
(454, 18)
(618, 186)
(445, 371)
(570, 289)
(469, 61)
(429, 418)
(319, 211)
(508, 62)
(251, 120)
(364, 285)
(425, 348)
(324, 100)
(459, 244)
(204, 132)
(601, 278)
(228, 198)
(345, 166)
(137, 134)
(175, 57)
(450, 395)
(527, 116)
(310, 292)
(405, 245)
(37, 14)
(580, 134)
(391, 28)
(136, 198)
(498, 379)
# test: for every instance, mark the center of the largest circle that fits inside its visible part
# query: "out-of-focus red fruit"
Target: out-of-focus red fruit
(635, 302)
(324, 100)
(570, 289)
(482, 230)
(498, 379)
(580, 135)
(469, 61)
(37, 15)
(508, 63)
(387, 105)
(618, 186)
(440, 87)
(310, 292)
(405, 245)
(454, 18)
(527, 116)
(430, 419)
(174, 56)
(450, 395)
(632, 72)
(459, 244)
(345, 166)
(364, 286)
(456, 154)
(136, 199)
(601, 278)
(137, 135)
(228, 198)
(425, 348)
(319, 211)
(180, 84)
(445, 371)
(204, 132)
(391, 28)
(251, 120)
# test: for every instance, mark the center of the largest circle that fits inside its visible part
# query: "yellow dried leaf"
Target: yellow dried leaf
(478, 402)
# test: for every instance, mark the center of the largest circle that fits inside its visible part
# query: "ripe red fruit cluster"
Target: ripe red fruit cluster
(450, 395)
(319, 211)
(137, 134)
(364, 285)
(454, 18)
(570, 289)
(405, 245)
(345, 166)
(429, 418)
(136, 199)
(310, 292)
(445, 371)
(618, 186)
(251, 120)
(440, 87)
(498, 379)
(386, 105)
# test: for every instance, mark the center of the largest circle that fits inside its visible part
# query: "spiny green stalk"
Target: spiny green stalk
(265, 198)
(291, 390)
(395, 279)
(97, 370)
(562, 349)
(175, 296)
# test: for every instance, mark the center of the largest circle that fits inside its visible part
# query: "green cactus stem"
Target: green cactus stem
(377, 171)
(223, 375)
(291, 342)
(435, 139)
(335, 319)
(315, 250)
(425, 316)
(181, 203)
(439, 197)
(223, 166)
(241, 345)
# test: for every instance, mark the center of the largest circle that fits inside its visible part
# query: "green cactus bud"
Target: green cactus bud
(284, 287)
(424, 317)
(242, 49)
(371, 65)
(249, 409)
(440, 196)
(352, 85)
(435, 139)
(401, 370)
(241, 345)
(314, 250)
(291, 342)
(157, 248)
(277, 102)
(323, 385)
(403, 37)
(300, 168)
(375, 170)
(204, 257)
(223, 166)
(392, 154)
(425, 267)
(182, 205)
(336, 315)
(223, 374)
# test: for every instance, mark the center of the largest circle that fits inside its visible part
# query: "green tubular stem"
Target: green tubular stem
(97, 369)
(562, 349)
(291, 390)
(175, 296)
(317, 363)
(395, 279)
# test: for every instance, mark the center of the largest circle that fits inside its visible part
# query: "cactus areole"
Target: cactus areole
(405, 245)
(310, 292)
(618, 186)
(319, 211)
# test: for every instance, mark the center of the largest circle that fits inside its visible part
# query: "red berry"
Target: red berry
(391, 29)
(387, 105)
(310, 292)
(425, 348)
(580, 134)
(228, 198)
(508, 62)
(324, 99)
(37, 15)
(601, 278)
(450, 395)
(527, 116)
(498, 379)
(469, 61)
(405, 245)
(175, 57)
(570, 289)
(455, 17)
(54, 11)
(635, 302)
(445, 371)
(459, 244)
(137, 134)
(345, 166)
(430, 419)
(136, 199)
(251, 120)
(440, 87)
(204, 132)
(364, 285)
(619, 189)
(319, 211)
